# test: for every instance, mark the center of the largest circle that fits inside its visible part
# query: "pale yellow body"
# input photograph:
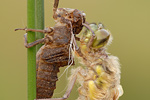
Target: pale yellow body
(99, 76)
(97, 83)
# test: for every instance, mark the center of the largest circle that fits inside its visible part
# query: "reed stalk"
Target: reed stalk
(35, 20)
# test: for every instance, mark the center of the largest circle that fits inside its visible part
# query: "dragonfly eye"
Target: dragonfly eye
(102, 37)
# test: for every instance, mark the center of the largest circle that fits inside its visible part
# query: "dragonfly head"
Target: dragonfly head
(102, 37)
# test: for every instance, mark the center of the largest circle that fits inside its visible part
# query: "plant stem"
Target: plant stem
(39, 19)
(31, 52)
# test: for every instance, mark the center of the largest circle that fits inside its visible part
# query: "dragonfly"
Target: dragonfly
(99, 73)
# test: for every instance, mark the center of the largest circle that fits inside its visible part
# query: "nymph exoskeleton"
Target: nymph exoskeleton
(99, 76)
(56, 51)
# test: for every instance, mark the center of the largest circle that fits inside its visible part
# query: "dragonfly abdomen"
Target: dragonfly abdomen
(49, 60)
(46, 80)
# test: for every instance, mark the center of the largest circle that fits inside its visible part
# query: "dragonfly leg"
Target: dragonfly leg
(28, 45)
(47, 30)
(92, 37)
(55, 6)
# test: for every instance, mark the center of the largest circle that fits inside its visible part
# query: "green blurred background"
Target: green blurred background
(128, 21)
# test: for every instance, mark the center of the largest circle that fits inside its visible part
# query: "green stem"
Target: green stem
(31, 52)
(39, 19)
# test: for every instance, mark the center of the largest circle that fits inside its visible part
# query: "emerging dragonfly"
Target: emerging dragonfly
(99, 76)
